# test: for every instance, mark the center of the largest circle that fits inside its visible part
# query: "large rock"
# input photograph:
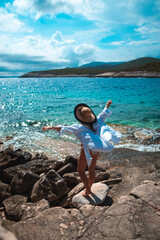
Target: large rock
(71, 159)
(6, 235)
(12, 207)
(130, 218)
(9, 158)
(98, 196)
(5, 191)
(36, 166)
(69, 167)
(56, 165)
(30, 210)
(67, 201)
(148, 192)
(23, 181)
(51, 187)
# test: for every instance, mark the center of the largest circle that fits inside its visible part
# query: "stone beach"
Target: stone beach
(40, 197)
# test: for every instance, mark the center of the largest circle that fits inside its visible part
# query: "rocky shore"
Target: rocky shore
(40, 197)
(119, 74)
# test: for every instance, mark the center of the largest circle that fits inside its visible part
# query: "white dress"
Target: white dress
(97, 141)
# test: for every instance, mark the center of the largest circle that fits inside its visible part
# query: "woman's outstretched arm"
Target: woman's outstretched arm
(51, 128)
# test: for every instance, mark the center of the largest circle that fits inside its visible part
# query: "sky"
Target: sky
(49, 34)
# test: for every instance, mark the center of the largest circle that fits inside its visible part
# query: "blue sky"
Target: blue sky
(49, 34)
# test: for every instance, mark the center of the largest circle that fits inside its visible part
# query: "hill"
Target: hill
(146, 64)
(100, 65)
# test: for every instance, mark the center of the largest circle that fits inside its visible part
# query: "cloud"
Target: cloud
(9, 22)
(32, 53)
(131, 11)
(142, 42)
(117, 43)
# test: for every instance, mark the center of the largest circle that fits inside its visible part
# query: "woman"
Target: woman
(94, 135)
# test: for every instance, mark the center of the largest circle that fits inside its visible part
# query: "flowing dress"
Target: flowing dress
(97, 140)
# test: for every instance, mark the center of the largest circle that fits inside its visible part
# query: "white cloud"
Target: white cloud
(117, 43)
(148, 29)
(142, 42)
(124, 11)
(9, 22)
(34, 51)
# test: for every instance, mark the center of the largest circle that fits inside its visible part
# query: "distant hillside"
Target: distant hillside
(134, 64)
(141, 64)
(100, 65)
(151, 67)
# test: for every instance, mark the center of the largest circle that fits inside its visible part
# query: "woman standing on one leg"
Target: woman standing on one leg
(94, 135)
(82, 164)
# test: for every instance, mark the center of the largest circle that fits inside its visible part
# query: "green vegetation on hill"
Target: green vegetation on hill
(76, 71)
(141, 64)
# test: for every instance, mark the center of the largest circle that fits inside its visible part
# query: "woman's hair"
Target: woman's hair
(91, 127)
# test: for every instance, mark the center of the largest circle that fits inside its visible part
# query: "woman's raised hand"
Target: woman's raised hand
(108, 103)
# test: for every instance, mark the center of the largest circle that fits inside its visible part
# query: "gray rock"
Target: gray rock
(69, 167)
(130, 218)
(71, 159)
(51, 187)
(12, 207)
(72, 178)
(5, 191)
(9, 158)
(67, 201)
(148, 192)
(36, 166)
(30, 210)
(98, 196)
(6, 235)
(23, 181)
(56, 165)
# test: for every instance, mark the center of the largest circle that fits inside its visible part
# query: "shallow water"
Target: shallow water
(28, 104)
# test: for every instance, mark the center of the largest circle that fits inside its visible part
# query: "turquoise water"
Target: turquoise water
(28, 104)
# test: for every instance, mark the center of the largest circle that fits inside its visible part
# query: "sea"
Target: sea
(28, 104)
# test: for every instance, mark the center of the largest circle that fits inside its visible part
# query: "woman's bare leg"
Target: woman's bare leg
(92, 169)
(82, 164)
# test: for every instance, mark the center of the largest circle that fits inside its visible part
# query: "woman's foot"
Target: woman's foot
(86, 192)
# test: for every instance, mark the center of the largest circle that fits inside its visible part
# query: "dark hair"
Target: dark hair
(91, 127)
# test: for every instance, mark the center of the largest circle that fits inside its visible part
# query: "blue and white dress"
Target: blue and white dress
(97, 141)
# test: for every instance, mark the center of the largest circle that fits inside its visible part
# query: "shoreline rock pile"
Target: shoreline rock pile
(40, 198)
(30, 184)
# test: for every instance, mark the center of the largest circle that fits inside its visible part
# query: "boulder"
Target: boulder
(36, 166)
(67, 201)
(12, 207)
(5, 191)
(98, 196)
(51, 187)
(149, 192)
(9, 158)
(30, 210)
(71, 159)
(56, 165)
(72, 178)
(129, 218)
(23, 181)
(6, 235)
(69, 167)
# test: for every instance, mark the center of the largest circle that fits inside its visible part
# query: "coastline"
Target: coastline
(133, 138)
(120, 74)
